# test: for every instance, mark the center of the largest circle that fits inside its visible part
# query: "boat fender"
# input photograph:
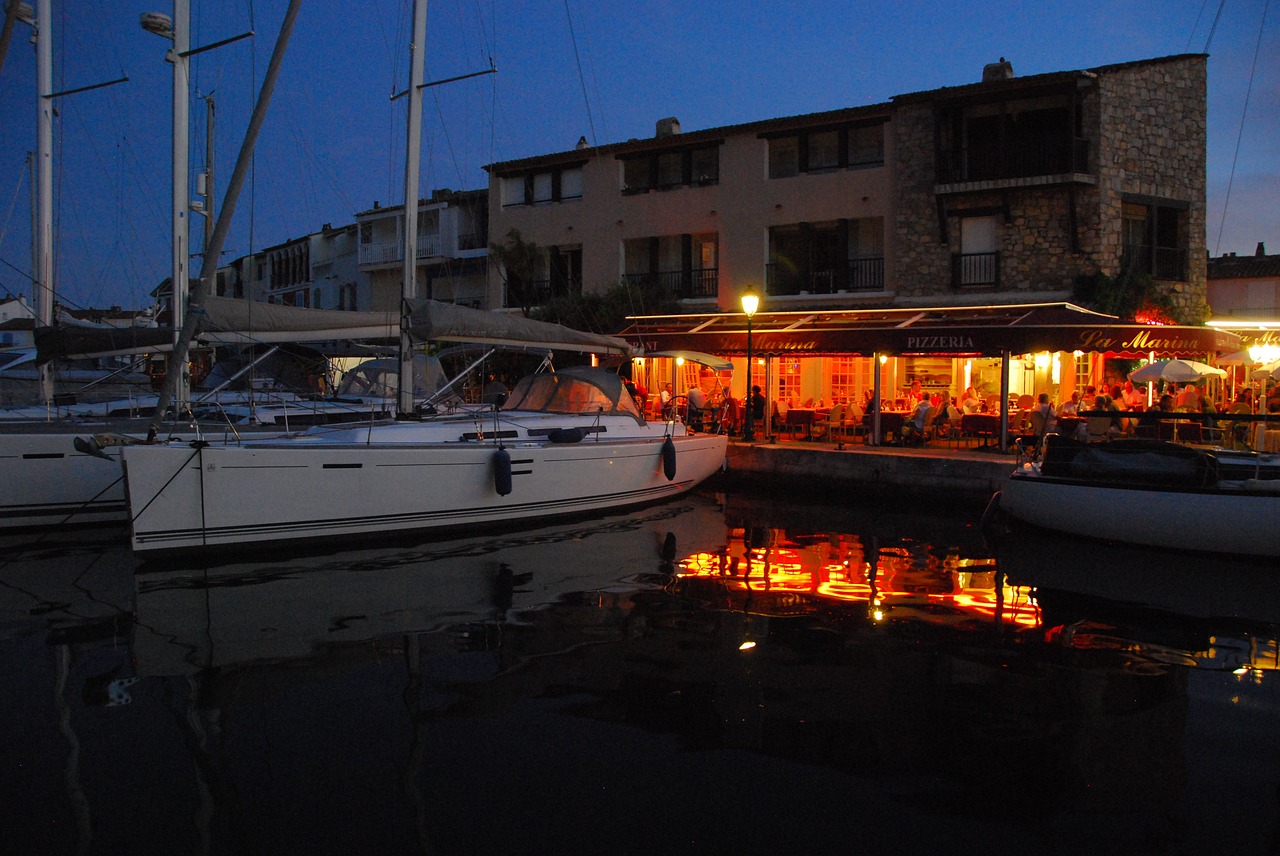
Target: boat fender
(502, 471)
(669, 459)
(566, 435)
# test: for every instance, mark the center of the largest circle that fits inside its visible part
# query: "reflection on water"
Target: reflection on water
(716, 674)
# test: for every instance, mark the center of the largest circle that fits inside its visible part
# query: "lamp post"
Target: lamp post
(750, 303)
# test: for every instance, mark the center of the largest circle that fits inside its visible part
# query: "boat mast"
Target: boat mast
(43, 273)
(413, 156)
(180, 58)
(211, 254)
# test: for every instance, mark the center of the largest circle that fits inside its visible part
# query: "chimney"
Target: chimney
(582, 143)
(994, 71)
(668, 127)
(1262, 249)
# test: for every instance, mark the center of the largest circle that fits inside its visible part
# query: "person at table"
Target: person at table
(917, 423)
(1045, 409)
(1118, 403)
(1149, 421)
(1187, 399)
(757, 406)
(917, 393)
(971, 402)
(1071, 406)
(1133, 397)
(697, 401)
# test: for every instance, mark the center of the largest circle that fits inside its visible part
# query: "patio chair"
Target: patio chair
(832, 427)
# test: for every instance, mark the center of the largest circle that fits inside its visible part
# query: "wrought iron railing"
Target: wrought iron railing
(1050, 156)
(975, 270)
(680, 284)
(859, 275)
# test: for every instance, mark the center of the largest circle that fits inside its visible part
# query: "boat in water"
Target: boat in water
(1150, 493)
(563, 443)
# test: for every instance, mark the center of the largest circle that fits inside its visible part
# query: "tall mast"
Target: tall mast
(43, 273)
(413, 155)
(181, 189)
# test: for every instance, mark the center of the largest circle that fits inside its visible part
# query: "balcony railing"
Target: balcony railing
(859, 275)
(681, 284)
(1166, 263)
(385, 252)
(1044, 157)
(975, 270)
(540, 291)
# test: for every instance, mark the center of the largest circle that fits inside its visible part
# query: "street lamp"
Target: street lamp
(750, 303)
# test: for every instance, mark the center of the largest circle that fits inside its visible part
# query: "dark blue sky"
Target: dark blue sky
(333, 142)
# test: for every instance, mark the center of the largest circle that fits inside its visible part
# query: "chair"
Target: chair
(1189, 432)
(833, 426)
(1100, 429)
(853, 420)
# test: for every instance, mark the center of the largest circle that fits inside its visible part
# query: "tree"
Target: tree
(606, 311)
(521, 265)
(1128, 295)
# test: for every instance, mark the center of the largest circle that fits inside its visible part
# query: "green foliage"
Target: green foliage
(521, 265)
(606, 312)
(1126, 295)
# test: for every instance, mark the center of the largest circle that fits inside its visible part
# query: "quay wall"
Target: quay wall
(860, 472)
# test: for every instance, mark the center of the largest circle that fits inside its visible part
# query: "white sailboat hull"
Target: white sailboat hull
(185, 499)
(48, 483)
(1228, 520)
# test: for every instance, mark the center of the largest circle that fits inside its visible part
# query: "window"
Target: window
(866, 145)
(670, 169)
(851, 380)
(541, 187)
(978, 262)
(784, 157)
(1155, 238)
(571, 183)
(826, 149)
(537, 187)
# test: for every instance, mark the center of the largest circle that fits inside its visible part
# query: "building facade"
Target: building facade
(452, 250)
(1004, 190)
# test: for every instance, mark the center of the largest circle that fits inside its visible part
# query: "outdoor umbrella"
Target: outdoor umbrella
(1270, 370)
(1177, 371)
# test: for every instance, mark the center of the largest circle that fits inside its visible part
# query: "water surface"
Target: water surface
(714, 675)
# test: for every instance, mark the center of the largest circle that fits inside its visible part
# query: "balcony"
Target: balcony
(858, 276)
(386, 252)
(1161, 263)
(993, 162)
(975, 271)
(691, 284)
(540, 292)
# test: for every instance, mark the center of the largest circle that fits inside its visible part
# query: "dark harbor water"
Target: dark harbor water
(717, 675)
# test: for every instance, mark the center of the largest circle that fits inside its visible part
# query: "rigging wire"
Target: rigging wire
(1217, 247)
(1196, 25)
(581, 79)
(1214, 28)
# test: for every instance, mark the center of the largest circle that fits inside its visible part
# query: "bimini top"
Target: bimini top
(958, 331)
(580, 389)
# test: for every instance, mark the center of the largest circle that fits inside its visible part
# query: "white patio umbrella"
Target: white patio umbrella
(1239, 358)
(1270, 370)
(1177, 371)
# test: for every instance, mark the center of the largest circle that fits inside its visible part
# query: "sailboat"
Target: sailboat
(563, 443)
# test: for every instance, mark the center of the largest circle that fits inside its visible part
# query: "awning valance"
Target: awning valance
(959, 331)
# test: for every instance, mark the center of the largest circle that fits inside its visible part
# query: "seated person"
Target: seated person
(913, 430)
(1149, 421)
(1071, 406)
(1043, 414)
(697, 400)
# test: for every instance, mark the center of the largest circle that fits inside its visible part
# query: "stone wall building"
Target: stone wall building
(1000, 191)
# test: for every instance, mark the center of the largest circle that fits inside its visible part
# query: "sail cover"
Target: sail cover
(229, 320)
(431, 320)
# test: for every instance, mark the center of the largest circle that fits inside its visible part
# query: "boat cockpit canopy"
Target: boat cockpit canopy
(574, 390)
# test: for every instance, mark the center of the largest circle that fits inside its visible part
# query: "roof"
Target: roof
(956, 331)
(1244, 267)
(846, 114)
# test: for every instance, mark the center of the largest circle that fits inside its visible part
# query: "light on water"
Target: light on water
(718, 674)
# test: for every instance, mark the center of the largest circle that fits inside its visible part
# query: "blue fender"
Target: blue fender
(502, 472)
(669, 459)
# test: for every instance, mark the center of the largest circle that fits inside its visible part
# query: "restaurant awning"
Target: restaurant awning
(957, 331)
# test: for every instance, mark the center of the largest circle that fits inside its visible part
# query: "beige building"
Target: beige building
(1003, 190)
